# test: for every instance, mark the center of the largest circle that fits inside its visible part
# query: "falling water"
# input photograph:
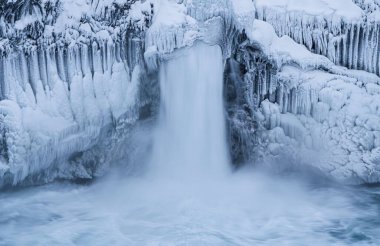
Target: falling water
(190, 140)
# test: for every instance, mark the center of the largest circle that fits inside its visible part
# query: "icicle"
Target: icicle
(41, 53)
(350, 46)
(356, 31)
(85, 61)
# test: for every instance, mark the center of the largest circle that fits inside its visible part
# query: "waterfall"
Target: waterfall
(190, 139)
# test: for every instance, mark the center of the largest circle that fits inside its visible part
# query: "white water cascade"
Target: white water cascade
(190, 140)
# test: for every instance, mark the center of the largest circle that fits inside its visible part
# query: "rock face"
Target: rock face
(76, 77)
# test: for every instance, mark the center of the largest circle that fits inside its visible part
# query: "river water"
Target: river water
(244, 208)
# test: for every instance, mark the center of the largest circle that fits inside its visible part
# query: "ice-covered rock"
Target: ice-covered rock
(306, 108)
(177, 24)
(68, 88)
(56, 101)
(344, 31)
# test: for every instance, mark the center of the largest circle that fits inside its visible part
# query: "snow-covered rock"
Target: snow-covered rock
(62, 89)
(56, 101)
(344, 31)
(75, 73)
(310, 110)
(178, 24)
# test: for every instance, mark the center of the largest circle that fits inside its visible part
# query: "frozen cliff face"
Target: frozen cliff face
(287, 105)
(72, 82)
(56, 101)
(76, 77)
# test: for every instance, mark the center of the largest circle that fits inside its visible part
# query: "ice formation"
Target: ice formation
(346, 32)
(61, 90)
(310, 110)
(72, 73)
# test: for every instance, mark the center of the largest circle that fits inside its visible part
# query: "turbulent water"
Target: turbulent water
(188, 196)
(244, 209)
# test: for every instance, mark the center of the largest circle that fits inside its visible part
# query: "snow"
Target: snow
(21, 24)
(170, 27)
(329, 28)
(314, 112)
(177, 25)
(244, 13)
(81, 76)
(322, 109)
(169, 13)
(283, 49)
(342, 9)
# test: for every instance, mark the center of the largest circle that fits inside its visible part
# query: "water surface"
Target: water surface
(241, 209)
